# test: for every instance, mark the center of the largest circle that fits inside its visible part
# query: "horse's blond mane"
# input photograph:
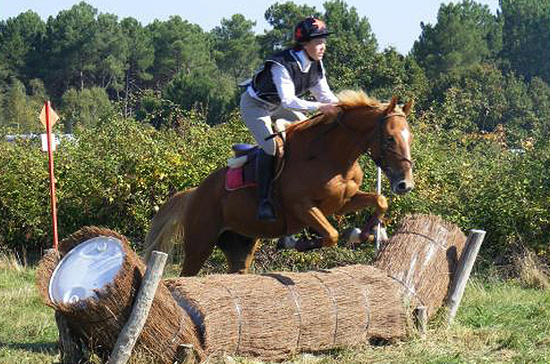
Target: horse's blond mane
(347, 99)
(356, 98)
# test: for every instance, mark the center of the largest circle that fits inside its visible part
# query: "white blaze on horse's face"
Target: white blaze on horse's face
(399, 157)
(406, 135)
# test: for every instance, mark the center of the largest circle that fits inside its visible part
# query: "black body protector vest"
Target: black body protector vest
(263, 85)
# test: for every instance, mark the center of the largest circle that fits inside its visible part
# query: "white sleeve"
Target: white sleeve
(285, 87)
(321, 91)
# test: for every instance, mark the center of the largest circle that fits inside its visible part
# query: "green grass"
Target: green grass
(27, 327)
(498, 322)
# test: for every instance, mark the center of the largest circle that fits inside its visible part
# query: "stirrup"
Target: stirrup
(266, 211)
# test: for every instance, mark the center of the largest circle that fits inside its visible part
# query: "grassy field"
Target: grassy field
(498, 322)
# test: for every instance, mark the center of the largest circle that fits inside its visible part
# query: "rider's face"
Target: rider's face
(315, 48)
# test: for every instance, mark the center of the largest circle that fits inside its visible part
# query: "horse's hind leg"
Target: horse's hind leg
(238, 250)
(198, 246)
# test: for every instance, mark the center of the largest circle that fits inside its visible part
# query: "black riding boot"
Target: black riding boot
(264, 174)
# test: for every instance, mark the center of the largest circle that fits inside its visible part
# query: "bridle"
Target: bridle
(385, 148)
(381, 161)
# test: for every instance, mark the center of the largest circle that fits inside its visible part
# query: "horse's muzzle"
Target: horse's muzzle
(402, 186)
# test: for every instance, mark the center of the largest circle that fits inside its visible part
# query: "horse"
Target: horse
(321, 176)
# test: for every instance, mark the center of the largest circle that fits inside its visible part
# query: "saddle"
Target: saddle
(241, 171)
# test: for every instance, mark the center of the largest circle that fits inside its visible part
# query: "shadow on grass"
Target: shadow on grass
(33, 347)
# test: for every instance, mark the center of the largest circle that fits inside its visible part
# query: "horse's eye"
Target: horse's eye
(390, 140)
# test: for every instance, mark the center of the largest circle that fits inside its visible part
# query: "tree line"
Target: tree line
(154, 111)
(478, 69)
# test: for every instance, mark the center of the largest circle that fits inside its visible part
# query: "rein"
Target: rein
(271, 136)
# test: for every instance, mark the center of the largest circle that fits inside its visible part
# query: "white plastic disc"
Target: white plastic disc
(89, 266)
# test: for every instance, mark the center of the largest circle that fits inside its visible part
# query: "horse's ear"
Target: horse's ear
(408, 107)
(392, 105)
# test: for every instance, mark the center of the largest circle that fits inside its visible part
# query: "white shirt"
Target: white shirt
(285, 86)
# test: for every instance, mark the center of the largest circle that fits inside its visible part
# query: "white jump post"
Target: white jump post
(462, 274)
(131, 330)
(379, 192)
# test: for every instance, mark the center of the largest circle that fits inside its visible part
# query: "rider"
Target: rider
(275, 91)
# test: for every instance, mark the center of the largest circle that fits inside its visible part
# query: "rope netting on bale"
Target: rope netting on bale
(274, 315)
(92, 282)
(422, 255)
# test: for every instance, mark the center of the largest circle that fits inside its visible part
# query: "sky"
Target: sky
(394, 22)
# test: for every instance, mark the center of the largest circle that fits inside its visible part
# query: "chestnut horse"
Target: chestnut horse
(321, 176)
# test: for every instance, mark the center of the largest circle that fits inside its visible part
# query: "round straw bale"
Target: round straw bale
(98, 316)
(274, 315)
(422, 255)
(386, 299)
(240, 314)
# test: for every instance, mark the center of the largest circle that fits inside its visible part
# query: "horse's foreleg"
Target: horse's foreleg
(315, 218)
(362, 200)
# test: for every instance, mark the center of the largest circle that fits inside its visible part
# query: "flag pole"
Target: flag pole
(47, 106)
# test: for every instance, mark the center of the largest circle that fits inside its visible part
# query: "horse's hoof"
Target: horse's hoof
(365, 235)
(369, 226)
(286, 242)
(351, 237)
(372, 236)
(305, 245)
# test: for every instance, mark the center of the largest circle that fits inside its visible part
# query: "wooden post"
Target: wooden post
(186, 354)
(131, 330)
(421, 318)
(475, 238)
(70, 346)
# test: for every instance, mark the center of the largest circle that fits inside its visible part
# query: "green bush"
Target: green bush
(24, 196)
(114, 175)
(479, 184)
(119, 173)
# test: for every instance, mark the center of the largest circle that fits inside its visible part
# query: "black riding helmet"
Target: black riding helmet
(310, 28)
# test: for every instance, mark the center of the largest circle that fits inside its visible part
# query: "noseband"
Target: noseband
(381, 161)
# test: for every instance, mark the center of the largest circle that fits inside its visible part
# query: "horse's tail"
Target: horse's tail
(167, 225)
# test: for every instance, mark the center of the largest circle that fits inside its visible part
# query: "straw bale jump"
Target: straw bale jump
(269, 316)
